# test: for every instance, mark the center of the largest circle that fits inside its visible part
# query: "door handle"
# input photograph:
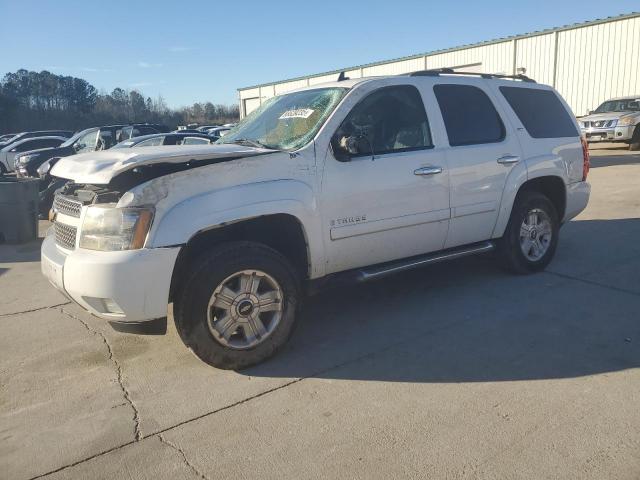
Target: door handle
(508, 159)
(427, 170)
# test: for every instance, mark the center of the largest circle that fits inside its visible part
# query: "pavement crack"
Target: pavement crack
(315, 374)
(184, 457)
(34, 309)
(118, 368)
(592, 282)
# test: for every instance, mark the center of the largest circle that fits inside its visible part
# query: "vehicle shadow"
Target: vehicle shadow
(468, 321)
(612, 160)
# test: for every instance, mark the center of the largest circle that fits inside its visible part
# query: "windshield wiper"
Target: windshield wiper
(251, 143)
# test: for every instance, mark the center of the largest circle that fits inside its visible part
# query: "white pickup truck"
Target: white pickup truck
(349, 180)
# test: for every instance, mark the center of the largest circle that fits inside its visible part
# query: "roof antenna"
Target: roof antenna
(342, 77)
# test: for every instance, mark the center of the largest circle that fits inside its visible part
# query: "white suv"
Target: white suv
(355, 179)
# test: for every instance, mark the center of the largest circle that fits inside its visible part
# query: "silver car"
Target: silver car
(616, 120)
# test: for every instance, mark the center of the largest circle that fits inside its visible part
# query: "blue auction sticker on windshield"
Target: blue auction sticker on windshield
(299, 113)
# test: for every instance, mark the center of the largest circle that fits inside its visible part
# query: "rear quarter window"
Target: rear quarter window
(541, 112)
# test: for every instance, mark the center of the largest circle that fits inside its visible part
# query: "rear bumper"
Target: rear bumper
(577, 199)
(128, 286)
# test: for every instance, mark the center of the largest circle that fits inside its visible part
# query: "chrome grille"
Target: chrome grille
(65, 235)
(599, 124)
(67, 205)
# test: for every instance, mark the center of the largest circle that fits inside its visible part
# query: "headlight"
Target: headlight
(108, 228)
(612, 123)
(24, 159)
(626, 121)
(44, 168)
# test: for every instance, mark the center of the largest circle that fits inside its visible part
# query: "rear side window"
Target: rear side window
(151, 142)
(195, 141)
(541, 112)
(469, 115)
(50, 143)
(147, 130)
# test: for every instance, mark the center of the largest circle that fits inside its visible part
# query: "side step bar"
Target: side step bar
(376, 272)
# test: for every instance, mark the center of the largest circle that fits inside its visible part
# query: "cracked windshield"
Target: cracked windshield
(287, 122)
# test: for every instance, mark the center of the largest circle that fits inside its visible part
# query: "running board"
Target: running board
(376, 272)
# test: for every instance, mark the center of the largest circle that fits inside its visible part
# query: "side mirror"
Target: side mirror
(340, 149)
(344, 147)
(589, 112)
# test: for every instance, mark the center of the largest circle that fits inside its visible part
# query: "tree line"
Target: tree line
(43, 101)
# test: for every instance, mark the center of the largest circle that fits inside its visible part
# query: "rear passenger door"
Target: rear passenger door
(482, 151)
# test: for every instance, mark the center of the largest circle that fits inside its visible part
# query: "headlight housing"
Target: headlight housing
(107, 228)
(44, 168)
(626, 121)
(24, 159)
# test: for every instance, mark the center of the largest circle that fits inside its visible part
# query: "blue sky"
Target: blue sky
(198, 51)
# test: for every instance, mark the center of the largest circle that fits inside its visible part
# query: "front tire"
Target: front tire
(238, 305)
(531, 237)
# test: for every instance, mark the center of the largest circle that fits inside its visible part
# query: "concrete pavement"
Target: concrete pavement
(455, 371)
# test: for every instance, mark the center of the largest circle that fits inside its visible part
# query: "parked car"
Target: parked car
(351, 180)
(218, 132)
(9, 153)
(205, 128)
(41, 133)
(166, 139)
(616, 120)
(187, 130)
(6, 136)
(91, 139)
(139, 129)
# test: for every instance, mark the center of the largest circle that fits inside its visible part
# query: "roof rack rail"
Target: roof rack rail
(449, 71)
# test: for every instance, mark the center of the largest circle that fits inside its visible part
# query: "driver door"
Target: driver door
(388, 198)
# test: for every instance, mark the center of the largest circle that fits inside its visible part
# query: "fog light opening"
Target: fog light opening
(110, 306)
(106, 306)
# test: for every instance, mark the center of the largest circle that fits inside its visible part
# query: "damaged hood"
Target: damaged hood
(100, 167)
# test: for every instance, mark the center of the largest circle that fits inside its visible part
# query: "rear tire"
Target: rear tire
(531, 237)
(238, 305)
(634, 145)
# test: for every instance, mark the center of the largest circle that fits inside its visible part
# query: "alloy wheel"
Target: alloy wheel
(245, 309)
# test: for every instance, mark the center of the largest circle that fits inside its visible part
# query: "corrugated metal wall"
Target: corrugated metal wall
(598, 62)
(587, 64)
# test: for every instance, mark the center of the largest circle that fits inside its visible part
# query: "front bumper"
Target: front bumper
(614, 134)
(127, 286)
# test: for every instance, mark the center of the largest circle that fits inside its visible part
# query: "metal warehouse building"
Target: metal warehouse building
(586, 62)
